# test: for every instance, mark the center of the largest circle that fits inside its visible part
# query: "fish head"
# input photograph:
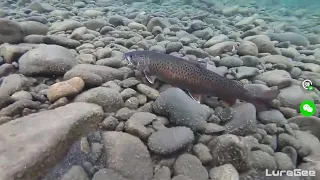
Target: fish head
(138, 59)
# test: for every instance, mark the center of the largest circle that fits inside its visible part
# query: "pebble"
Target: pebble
(109, 99)
(182, 109)
(129, 156)
(226, 171)
(229, 149)
(190, 166)
(148, 91)
(170, 140)
(47, 60)
(70, 87)
(76, 116)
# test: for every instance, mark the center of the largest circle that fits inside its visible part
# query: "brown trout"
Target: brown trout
(195, 78)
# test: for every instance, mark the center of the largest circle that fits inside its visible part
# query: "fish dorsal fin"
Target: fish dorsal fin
(151, 78)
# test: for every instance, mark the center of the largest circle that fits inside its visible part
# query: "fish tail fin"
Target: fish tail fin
(260, 105)
(269, 95)
(262, 102)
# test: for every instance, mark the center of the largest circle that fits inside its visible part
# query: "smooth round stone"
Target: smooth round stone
(170, 140)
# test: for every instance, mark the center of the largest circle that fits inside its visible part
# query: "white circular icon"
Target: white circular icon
(306, 84)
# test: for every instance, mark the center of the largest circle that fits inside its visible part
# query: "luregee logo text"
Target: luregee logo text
(295, 172)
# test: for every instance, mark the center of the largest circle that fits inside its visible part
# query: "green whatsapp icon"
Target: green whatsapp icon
(308, 108)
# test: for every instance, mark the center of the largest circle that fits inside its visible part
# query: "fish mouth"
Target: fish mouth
(128, 58)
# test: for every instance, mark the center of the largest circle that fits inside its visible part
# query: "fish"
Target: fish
(195, 78)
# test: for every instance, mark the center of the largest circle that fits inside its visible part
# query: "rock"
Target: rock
(127, 83)
(311, 124)
(90, 79)
(292, 153)
(243, 121)
(4, 99)
(6, 69)
(66, 25)
(264, 44)
(116, 20)
(47, 60)
(181, 177)
(162, 174)
(87, 58)
(17, 107)
(127, 155)
(230, 61)
(33, 27)
(287, 140)
(173, 47)
(95, 24)
(170, 140)
(59, 132)
(215, 40)
(104, 53)
(137, 122)
(61, 41)
(221, 48)
(108, 174)
(229, 149)
(246, 72)
(262, 161)
(124, 113)
(226, 171)
(280, 78)
(292, 96)
(272, 116)
(148, 91)
(20, 95)
(212, 128)
(67, 88)
(247, 48)
(75, 172)
(91, 13)
(181, 109)
(158, 21)
(40, 7)
(10, 32)
(60, 102)
(313, 142)
(14, 83)
(34, 39)
(12, 53)
(250, 61)
(109, 99)
(91, 73)
(112, 85)
(110, 123)
(279, 60)
(137, 26)
(283, 161)
(189, 165)
(128, 93)
(202, 152)
(292, 37)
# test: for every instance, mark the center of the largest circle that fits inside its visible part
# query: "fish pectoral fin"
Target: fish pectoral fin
(229, 102)
(194, 96)
(151, 78)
